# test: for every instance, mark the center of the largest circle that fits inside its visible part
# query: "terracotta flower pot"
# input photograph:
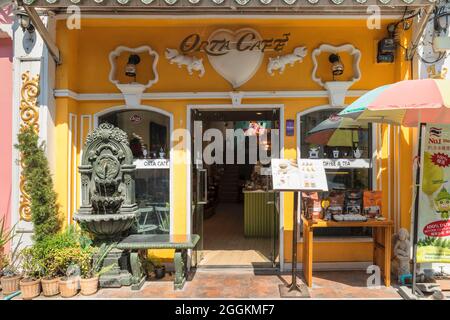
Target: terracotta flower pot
(89, 286)
(68, 287)
(50, 287)
(10, 284)
(30, 288)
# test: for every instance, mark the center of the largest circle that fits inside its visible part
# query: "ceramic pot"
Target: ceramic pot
(50, 287)
(10, 284)
(30, 288)
(160, 272)
(89, 286)
(68, 287)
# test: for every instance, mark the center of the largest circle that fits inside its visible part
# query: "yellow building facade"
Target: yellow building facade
(84, 92)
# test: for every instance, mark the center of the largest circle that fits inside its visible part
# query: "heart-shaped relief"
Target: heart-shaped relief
(236, 66)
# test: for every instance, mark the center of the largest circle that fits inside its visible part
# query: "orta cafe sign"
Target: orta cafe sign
(226, 41)
(235, 55)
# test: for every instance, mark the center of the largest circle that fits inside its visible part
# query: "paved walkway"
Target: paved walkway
(247, 284)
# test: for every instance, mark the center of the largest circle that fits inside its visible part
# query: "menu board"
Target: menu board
(301, 174)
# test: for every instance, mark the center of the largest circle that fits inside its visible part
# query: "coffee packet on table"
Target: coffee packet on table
(313, 206)
(372, 203)
(336, 203)
(353, 202)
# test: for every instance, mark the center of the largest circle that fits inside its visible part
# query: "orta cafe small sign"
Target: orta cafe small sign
(235, 55)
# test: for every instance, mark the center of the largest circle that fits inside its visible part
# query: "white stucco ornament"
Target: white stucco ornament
(132, 92)
(192, 63)
(237, 67)
(337, 90)
(279, 63)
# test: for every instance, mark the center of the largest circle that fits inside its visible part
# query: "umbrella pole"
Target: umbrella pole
(416, 210)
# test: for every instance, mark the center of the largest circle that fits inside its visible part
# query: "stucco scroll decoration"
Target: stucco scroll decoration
(29, 115)
(337, 89)
(279, 63)
(132, 92)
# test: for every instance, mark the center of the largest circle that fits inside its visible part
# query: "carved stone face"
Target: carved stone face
(403, 234)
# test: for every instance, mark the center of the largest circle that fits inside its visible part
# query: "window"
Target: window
(346, 159)
(148, 135)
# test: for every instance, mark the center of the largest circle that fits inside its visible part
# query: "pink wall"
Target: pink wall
(5, 127)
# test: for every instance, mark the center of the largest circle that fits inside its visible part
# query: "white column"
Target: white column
(30, 54)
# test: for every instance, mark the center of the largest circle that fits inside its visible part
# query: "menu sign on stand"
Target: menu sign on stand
(297, 175)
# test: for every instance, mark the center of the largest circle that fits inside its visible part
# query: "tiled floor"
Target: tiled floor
(247, 284)
(224, 240)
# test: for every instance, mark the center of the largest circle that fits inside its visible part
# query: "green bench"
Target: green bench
(138, 243)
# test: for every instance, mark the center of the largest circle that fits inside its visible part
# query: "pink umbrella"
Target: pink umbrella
(411, 103)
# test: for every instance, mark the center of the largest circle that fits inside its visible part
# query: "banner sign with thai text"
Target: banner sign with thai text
(434, 210)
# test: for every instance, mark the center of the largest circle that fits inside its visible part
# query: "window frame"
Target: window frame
(169, 115)
(372, 172)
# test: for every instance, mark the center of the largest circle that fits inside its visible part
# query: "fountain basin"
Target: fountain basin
(106, 226)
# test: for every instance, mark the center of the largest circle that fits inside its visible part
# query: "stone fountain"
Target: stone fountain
(108, 208)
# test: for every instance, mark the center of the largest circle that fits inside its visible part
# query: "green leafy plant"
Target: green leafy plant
(31, 267)
(39, 184)
(52, 251)
(6, 235)
(13, 261)
(94, 267)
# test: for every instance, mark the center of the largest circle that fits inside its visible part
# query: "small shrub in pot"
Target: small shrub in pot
(11, 273)
(94, 268)
(30, 284)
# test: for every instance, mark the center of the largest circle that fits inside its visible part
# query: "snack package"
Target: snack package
(372, 203)
(336, 205)
(313, 207)
(353, 202)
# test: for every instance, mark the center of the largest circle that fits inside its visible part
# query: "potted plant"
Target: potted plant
(49, 280)
(30, 284)
(11, 274)
(69, 261)
(93, 268)
(5, 237)
(158, 268)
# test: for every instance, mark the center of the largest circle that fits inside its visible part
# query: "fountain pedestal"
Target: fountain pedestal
(108, 208)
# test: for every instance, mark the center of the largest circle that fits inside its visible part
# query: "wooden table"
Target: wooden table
(382, 242)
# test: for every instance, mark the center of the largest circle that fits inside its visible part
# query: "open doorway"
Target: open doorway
(233, 209)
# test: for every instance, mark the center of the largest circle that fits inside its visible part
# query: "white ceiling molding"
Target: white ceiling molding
(132, 92)
(337, 90)
(64, 93)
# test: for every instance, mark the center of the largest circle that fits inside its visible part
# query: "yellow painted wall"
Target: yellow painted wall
(85, 69)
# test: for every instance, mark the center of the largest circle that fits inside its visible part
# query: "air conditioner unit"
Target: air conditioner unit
(441, 44)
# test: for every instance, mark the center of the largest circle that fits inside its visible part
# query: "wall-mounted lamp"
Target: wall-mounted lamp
(25, 22)
(130, 68)
(337, 68)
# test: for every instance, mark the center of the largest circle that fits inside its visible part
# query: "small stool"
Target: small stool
(403, 278)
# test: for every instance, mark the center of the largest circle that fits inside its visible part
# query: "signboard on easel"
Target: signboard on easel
(299, 175)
